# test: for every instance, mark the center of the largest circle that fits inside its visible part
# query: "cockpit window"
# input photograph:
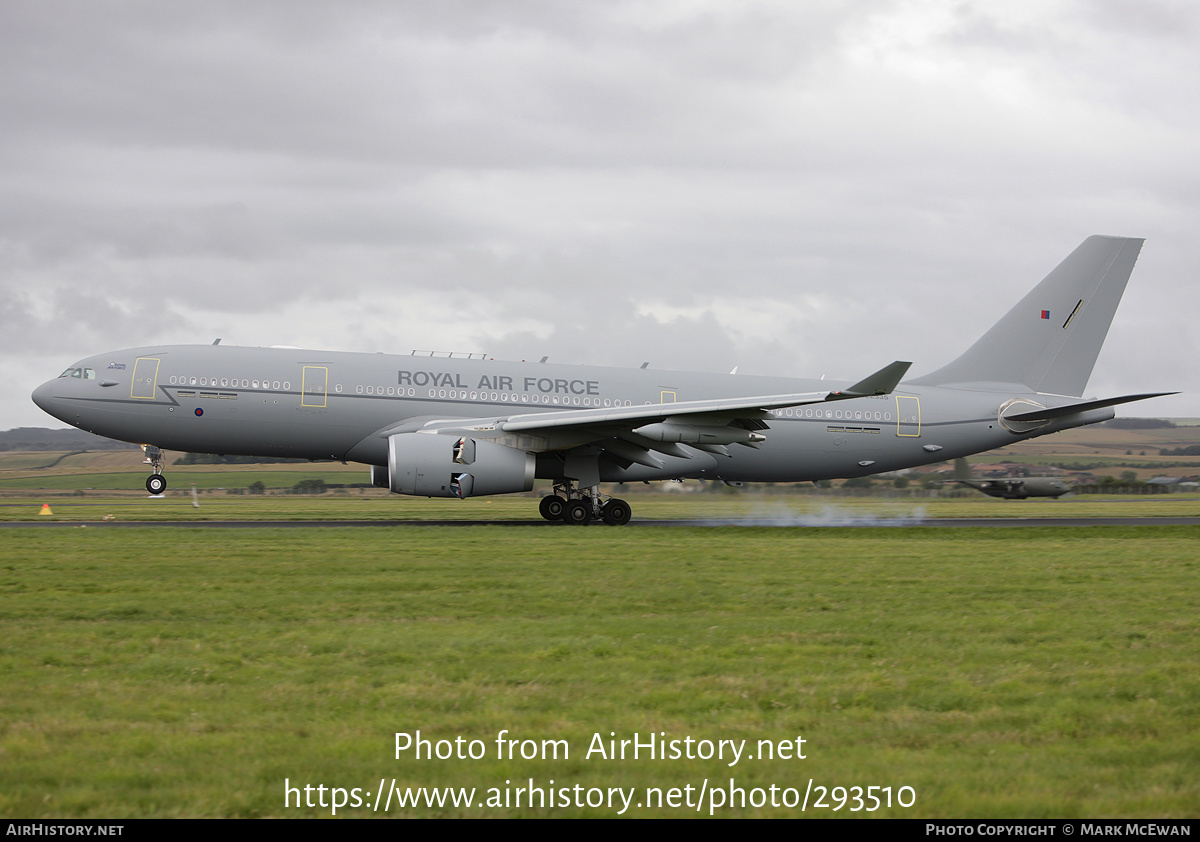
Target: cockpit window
(79, 373)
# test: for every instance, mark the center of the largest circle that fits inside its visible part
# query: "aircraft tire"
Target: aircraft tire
(552, 507)
(616, 512)
(156, 483)
(577, 513)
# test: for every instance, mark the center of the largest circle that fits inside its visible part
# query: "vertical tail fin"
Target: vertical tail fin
(1050, 340)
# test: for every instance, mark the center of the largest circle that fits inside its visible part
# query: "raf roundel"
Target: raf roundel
(199, 412)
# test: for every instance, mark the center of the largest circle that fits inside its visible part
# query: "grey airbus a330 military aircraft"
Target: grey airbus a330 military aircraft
(463, 427)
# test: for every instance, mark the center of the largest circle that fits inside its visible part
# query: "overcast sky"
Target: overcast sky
(795, 188)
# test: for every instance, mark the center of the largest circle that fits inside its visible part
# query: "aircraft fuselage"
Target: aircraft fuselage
(343, 406)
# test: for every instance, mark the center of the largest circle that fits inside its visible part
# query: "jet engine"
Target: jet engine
(428, 465)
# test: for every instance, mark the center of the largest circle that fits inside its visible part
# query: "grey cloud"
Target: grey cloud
(598, 181)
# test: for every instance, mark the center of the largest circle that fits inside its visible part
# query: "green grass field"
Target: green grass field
(181, 672)
(204, 480)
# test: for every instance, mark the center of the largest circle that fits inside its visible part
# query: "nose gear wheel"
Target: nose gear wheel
(156, 483)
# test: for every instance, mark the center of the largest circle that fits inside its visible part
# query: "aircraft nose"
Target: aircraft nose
(44, 396)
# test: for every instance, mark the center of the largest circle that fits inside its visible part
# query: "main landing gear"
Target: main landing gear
(156, 483)
(581, 506)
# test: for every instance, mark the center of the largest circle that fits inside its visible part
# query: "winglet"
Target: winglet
(881, 382)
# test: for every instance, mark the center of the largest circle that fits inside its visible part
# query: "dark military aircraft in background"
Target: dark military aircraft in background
(1009, 488)
(452, 426)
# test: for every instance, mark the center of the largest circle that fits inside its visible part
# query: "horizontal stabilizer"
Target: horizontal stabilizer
(1073, 408)
(881, 382)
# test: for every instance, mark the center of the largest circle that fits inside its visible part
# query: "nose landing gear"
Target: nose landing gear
(156, 483)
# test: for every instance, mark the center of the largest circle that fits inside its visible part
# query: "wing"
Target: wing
(632, 432)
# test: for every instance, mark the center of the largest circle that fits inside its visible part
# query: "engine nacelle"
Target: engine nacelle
(428, 465)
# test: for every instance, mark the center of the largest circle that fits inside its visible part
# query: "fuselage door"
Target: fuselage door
(908, 416)
(145, 378)
(314, 386)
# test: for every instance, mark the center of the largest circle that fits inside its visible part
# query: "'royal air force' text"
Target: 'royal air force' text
(499, 382)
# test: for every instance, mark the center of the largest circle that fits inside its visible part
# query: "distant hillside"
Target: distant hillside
(42, 438)
(1139, 423)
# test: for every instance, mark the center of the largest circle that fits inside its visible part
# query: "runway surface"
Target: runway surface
(800, 522)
